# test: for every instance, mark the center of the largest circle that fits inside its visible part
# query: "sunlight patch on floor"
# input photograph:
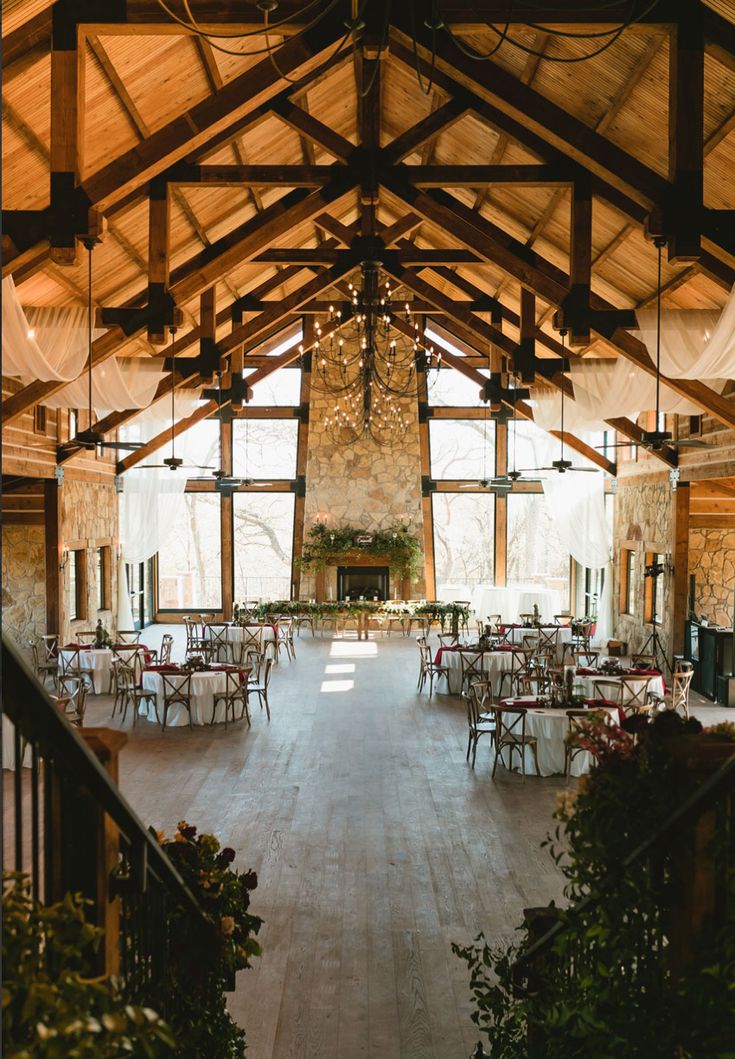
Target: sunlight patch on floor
(336, 685)
(354, 649)
(340, 667)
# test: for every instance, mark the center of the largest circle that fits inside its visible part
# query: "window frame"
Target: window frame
(104, 577)
(628, 562)
(77, 598)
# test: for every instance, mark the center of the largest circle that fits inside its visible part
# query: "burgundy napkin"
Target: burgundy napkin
(644, 672)
(77, 647)
(163, 667)
(608, 703)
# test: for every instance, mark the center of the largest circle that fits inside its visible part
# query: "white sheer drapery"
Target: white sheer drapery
(45, 344)
(695, 343)
(547, 413)
(576, 504)
(152, 499)
(116, 386)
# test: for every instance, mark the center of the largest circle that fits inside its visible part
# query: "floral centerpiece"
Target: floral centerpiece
(102, 637)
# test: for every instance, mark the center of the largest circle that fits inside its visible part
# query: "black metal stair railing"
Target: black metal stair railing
(60, 807)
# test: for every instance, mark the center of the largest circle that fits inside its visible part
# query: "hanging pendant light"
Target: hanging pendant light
(91, 439)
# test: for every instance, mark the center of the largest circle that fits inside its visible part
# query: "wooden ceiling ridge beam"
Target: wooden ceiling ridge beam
(192, 278)
(546, 281)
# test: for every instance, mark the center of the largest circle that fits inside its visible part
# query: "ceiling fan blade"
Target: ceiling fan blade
(585, 470)
(689, 443)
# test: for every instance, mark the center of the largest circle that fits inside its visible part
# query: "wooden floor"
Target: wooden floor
(375, 844)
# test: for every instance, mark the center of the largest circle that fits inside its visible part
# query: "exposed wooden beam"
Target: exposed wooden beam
(425, 131)
(313, 129)
(547, 282)
(683, 210)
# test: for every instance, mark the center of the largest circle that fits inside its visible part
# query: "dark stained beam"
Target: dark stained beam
(683, 211)
(424, 131)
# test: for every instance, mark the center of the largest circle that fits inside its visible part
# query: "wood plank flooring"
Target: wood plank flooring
(375, 844)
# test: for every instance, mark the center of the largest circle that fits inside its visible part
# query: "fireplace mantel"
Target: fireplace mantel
(358, 557)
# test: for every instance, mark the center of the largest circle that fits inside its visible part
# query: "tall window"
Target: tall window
(462, 448)
(190, 559)
(263, 545)
(104, 585)
(448, 387)
(536, 555)
(281, 388)
(199, 445)
(627, 581)
(77, 585)
(264, 448)
(464, 538)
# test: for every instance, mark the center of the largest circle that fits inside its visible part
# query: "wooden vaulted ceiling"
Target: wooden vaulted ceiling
(153, 96)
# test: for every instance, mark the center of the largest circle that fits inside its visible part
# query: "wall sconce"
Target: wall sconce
(64, 559)
(674, 476)
(119, 484)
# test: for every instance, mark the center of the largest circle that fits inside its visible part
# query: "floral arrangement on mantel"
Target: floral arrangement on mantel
(621, 1001)
(299, 608)
(325, 544)
(202, 970)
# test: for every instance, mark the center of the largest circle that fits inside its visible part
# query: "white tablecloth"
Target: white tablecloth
(204, 686)
(97, 662)
(494, 663)
(517, 636)
(550, 727)
(655, 685)
(452, 593)
(514, 600)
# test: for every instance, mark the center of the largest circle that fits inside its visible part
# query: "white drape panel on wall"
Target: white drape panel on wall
(576, 504)
(116, 386)
(152, 499)
(695, 343)
(55, 350)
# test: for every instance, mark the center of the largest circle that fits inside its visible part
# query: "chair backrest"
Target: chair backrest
(680, 682)
(635, 692)
(124, 674)
(69, 662)
(586, 659)
(494, 620)
(176, 687)
(252, 637)
(548, 639)
(167, 644)
(530, 643)
(128, 635)
(526, 617)
(510, 724)
(563, 619)
(470, 662)
(642, 661)
(253, 660)
(192, 630)
(266, 671)
(236, 682)
(522, 661)
(424, 649)
(447, 639)
(86, 636)
(608, 689)
(132, 655)
(538, 684)
(50, 643)
(33, 644)
(479, 701)
(216, 633)
(73, 689)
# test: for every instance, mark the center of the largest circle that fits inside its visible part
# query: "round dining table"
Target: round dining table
(654, 684)
(550, 726)
(204, 687)
(494, 664)
(97, 661)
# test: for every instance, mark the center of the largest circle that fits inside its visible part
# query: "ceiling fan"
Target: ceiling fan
(173, 462)
(92, 439)
(223, 482)
(655, 440)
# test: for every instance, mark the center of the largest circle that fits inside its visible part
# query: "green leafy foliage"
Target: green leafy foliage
(203, 967)
(397, 544)
(52, 1009)
(605, 988)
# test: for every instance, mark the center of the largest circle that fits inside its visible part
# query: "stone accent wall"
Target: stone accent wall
(644, 515)
(90, 516)
(712, 561)
(363, 484)
(24, 584)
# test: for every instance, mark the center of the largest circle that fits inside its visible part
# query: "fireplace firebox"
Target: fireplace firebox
(370, 582)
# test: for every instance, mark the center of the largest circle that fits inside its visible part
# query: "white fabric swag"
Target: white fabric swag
(576, 505)
(45, 344)
(51, 345)
(695, 343)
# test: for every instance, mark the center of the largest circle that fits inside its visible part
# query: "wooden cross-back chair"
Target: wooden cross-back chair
(215, 635)
(636, 697)
(234, 695)
(480, 716)
(471, 666)
(511, 735)
(427, 666)
(681, 680)
(176, 691)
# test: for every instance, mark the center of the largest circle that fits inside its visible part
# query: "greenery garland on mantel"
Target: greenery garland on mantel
(325, 545)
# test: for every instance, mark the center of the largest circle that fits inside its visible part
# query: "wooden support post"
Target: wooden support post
(67, 101)
(302, 455)
(500, 565)
(158, 260)
(679, 606)
(683, 214)
(575, 314)
(82, 844)
(226, 523)
(428, 522)
(526, 354)
(54, 554)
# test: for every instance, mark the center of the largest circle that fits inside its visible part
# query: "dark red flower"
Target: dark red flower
(227, 855)
(188, 832)
(249, 880)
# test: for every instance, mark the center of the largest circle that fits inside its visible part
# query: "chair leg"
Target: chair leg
(267, 704)
(469, 745)
(475, 740)
(498, 748)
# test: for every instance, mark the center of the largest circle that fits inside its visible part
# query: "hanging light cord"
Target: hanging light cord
(563, 334)
(172, 331)
(89, 245)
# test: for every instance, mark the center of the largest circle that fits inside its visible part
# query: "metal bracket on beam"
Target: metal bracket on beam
(605, 321)
(298, 486)
(206, 363)
(158, 316)
(428, 485)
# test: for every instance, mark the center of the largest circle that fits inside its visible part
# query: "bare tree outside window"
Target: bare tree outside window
(263, 542)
